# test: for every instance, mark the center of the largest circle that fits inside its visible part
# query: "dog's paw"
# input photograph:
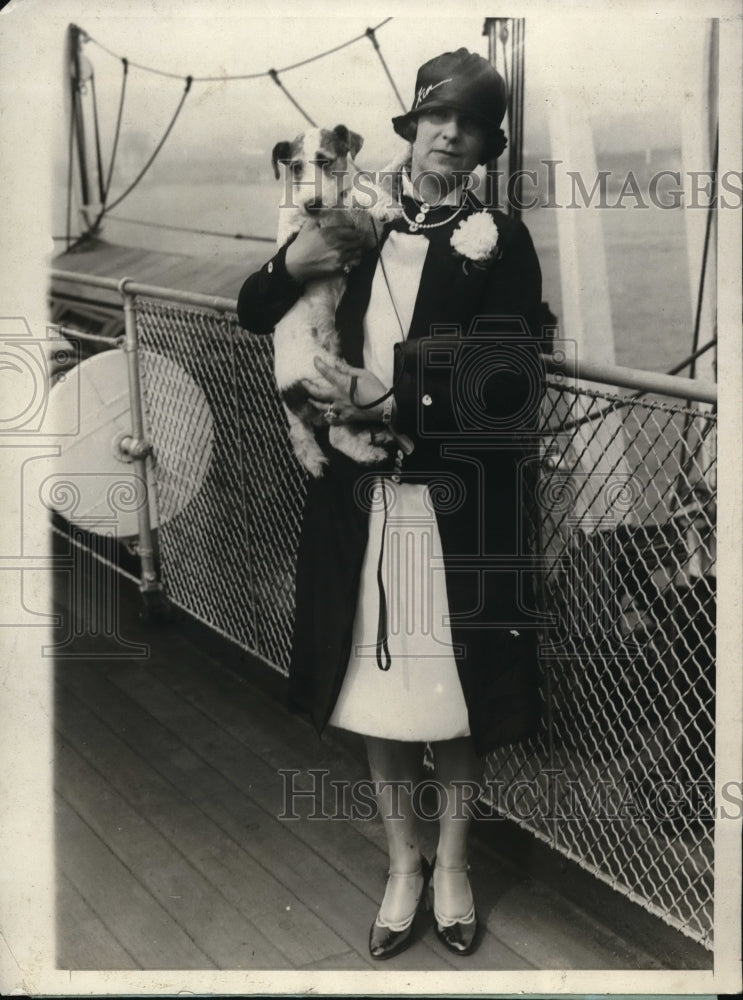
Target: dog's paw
(371, 455)
(314, 464)
(357, 444)
(307, 450)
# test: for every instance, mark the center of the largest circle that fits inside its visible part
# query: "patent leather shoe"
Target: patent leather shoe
(455, 933)
(388, 938)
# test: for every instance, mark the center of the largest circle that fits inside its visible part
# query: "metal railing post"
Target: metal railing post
(137, 447)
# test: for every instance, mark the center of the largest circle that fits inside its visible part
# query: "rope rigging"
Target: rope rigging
(78, 36)
(274, 74)
(117, 131)
(157, 149)
(372, 36)
(240, 76)
(705, 251)
(689, 448)
(97, 134)
(107, 208)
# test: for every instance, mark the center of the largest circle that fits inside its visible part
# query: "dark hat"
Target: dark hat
(461, 80)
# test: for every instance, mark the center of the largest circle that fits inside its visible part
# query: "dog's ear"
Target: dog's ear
(282, 153)
(352, 140)
(355, 142)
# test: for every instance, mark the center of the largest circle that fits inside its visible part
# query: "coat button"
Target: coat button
(270, 267)
(426, 400)
(400, 455)
(395, 479)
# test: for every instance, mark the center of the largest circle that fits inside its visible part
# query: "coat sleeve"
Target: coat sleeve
(267, 295)
(492, 373)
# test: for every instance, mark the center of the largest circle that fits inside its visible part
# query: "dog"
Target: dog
(320, 164)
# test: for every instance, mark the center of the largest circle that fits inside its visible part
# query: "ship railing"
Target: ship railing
(621, 777)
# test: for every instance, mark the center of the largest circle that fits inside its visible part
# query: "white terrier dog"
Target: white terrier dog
(321, 166)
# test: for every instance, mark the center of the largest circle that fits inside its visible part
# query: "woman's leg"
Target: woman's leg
(458, 772)
(395, 768)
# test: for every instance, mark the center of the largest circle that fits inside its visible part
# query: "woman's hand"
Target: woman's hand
(336, 391)
(320, 253)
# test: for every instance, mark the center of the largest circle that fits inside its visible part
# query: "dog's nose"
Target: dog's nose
(314, 206)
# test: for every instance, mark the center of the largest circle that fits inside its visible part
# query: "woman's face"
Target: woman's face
(447, 143)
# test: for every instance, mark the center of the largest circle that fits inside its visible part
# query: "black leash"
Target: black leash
(384, 660)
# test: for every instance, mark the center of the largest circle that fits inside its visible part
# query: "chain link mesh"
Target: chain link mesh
(228, 557)
(621, 780)
(621, 777)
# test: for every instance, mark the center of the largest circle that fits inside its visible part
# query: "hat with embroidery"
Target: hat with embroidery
(461, 80)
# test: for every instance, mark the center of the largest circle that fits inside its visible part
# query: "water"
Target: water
(645, 254)
(651, 304)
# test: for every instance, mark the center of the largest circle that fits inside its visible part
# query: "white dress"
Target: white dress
(419, 697)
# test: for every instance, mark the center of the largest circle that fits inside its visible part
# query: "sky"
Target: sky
(631, 73)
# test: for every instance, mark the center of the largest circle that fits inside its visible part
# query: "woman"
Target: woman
(449, 658)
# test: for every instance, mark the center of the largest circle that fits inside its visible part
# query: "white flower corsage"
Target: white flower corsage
(476, 239)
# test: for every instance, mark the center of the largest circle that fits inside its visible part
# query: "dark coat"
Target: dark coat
(470, 406)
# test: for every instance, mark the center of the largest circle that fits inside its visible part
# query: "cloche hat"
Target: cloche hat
(462, 80)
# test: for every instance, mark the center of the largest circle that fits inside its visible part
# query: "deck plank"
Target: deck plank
(118, 261)
(221, 778)
(335, 844)
(526, 916)
(83, 940)
(189, 274)
(341, 844)
(512, 909)
(111, 890)
(267, 904)
(222, 700)
(217, 743)
(220, 932)
(207, 275)
(270, 843)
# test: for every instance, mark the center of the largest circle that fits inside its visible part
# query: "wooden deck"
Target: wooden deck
(208, 275)
(170, 853)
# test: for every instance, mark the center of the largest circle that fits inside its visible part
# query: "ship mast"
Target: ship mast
(78, 72)
(506, 51)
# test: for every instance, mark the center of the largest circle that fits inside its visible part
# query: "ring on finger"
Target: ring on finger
(330, 414)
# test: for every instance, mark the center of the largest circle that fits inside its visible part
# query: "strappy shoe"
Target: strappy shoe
(388, 938)
(455, 933)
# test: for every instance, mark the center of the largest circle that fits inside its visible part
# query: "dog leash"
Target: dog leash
(384, 660)
(382, 651)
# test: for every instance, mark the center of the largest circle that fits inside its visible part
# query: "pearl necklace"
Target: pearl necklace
(418, 222)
